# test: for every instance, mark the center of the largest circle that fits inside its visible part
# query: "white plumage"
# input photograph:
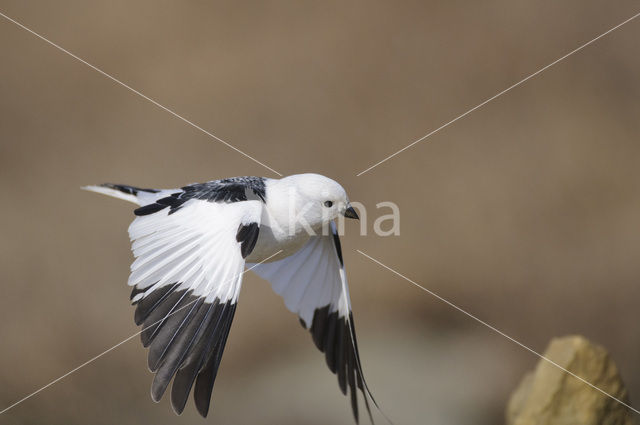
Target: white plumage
(309, 278)
(191, 245)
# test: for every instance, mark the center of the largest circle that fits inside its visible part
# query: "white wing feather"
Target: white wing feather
(187, 277)
(309, 279)
(313, 284)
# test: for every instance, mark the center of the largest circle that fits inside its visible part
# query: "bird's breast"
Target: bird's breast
(271, 241)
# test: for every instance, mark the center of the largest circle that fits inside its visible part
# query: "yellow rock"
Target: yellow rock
(550, 396)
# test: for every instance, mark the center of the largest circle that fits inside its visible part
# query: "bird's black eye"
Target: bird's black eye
(328, 204)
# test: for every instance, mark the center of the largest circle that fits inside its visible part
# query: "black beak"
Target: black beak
(351, 213)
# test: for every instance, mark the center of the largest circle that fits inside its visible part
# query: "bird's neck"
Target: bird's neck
(285, 211)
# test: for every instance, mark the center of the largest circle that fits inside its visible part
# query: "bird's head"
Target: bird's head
(316, 199)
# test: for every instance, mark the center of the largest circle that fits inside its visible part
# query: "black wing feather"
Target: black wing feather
(207, 376)
(247, 235)
(186, 337)
(159, 315)
(351, 371)
(235, 189)
(186, 375)
(146, 305)
(175, 354)
(330, 341)
(174, 327)
(342, 353)
(335, 336)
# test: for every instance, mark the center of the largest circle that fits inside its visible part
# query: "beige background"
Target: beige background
(526, 212)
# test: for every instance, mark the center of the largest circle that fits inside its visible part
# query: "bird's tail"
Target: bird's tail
(128, 193)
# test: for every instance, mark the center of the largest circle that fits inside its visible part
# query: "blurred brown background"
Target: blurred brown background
(526, 212)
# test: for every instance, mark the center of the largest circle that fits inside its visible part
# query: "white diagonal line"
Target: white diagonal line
(500, 94)
(498, 331)
(114, 79)
(91, 360)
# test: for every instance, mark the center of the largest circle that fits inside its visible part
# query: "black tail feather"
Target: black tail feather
(129, 190)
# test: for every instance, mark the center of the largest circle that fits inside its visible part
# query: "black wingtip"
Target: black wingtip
(154, 396)
(202, 404)
(178, 406)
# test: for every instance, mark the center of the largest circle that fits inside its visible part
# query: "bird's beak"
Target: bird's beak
(351, 213)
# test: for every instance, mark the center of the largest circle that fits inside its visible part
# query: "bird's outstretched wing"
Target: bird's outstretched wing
(190, 249)
(313, 284)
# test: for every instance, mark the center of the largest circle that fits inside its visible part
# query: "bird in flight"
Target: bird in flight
(191, 247)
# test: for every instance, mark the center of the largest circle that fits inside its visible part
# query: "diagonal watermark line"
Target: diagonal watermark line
(498, 331)
(114, 79)
(91, 360)
(500, 94)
